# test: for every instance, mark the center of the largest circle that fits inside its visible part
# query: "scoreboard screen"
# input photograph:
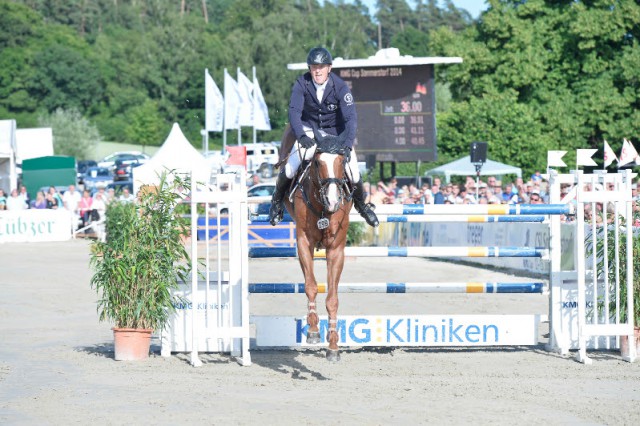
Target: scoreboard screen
(396, 112)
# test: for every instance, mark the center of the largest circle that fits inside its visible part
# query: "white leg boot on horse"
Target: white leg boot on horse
(276, 212)
(333, 355)
(365, 209)
(313, 335)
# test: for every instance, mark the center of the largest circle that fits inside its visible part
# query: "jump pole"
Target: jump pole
(402, 288)
(431, 218)
(264, 252)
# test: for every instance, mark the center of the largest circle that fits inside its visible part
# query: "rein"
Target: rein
(322, 185)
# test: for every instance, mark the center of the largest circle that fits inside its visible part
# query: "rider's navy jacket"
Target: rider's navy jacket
(335, 114)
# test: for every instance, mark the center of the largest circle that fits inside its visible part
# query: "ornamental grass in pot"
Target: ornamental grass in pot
(139, 265)
(621, 251)
(635, 245)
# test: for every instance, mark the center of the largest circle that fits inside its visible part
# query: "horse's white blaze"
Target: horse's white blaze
(332, 192)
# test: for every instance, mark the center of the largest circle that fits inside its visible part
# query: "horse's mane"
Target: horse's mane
(331, 144)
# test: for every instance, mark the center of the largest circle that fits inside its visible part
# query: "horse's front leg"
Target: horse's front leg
(335, 264)
(305, 256)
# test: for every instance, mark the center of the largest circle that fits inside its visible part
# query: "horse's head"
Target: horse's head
(329, 163)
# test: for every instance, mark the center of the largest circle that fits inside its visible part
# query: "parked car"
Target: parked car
(127, 157)
(81, 169)
(124, 169)
(261, 157)
(261, 190)
(118, 186)
(96, 177)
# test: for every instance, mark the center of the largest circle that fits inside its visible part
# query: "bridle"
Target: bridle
(323, 185)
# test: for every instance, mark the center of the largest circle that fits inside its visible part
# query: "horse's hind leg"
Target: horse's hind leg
(311, 289)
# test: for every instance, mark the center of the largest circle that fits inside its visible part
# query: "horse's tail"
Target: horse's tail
(288, 139)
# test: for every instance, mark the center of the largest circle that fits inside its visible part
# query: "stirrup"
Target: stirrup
(367, 212)
(369, 206)
(276, 216)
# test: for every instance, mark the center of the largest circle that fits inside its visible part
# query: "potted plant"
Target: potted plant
(635, 245)
(622, 273)
(139, 265)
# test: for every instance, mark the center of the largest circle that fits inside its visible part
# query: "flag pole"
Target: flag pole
(239, 126)
(224, 120)
(253, 107)
(204, 132)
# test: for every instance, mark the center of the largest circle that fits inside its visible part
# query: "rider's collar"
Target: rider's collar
(320, 86)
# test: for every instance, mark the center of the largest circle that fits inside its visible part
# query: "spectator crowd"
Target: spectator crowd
(489, 191)
(472, 191)
(85, 207)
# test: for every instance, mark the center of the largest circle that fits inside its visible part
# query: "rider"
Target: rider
(322, 100)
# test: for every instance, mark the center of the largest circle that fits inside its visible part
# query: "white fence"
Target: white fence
(580, 313)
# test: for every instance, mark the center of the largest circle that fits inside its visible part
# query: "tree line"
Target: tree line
(537, 74)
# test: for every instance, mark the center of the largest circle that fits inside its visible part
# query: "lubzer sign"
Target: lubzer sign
(35, 226)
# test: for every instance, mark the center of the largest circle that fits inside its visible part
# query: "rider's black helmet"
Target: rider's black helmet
(319, 55)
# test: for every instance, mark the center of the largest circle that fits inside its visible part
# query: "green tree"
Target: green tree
(566, 65)
(412, 42)
(66, 78)
(111, 59)
(146, 126)
(73, 134)
(394, 16)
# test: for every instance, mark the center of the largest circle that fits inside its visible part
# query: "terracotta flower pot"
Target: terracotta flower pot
(131, 344)
(624, 343)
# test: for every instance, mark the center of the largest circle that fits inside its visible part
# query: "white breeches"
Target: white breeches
(298, 154)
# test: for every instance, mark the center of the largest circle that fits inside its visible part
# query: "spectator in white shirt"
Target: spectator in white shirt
(126, 196)
(15, 202)
(71, 198)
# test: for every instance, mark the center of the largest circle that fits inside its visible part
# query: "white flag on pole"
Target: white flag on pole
(213, 105)
(609, 155)
(583, 157)
(261, 113)
(232, 102)
(554, 158)
(628, 153)
(245, 87)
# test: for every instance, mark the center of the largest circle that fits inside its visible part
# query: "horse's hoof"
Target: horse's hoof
(333, 355)
(313, 337)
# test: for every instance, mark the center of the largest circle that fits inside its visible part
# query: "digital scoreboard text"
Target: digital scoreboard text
(396, 112)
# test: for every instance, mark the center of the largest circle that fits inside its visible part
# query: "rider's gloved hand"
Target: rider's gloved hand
(306, 142)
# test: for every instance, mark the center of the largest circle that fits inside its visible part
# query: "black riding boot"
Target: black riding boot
(276, 212)
(365, 209)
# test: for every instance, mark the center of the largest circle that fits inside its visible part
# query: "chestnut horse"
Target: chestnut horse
(319, 203)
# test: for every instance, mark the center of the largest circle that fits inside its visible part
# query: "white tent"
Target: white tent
(463, 167)
(8, 172)
(176, 153)
(33, 143)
